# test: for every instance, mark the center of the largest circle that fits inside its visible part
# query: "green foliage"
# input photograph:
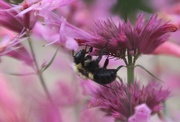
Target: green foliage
(50, 62)
(127, 8)
(149, 72)
(14, 1)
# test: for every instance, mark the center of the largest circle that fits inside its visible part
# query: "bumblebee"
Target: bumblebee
(89, 68)
(80, 59)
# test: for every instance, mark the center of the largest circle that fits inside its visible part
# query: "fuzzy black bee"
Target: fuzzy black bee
(89, 68)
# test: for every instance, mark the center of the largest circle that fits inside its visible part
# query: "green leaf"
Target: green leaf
(50, 62)
(120, 67)
(19, 74)
(128, 8)
(14, 1)
(148, 72)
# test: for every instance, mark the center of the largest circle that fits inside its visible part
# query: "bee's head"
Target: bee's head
(79, 56)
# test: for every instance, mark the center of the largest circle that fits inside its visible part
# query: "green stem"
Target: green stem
(39, 74)
(130, 69)
(130, 74)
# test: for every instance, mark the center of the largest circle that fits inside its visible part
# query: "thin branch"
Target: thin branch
(42, 81)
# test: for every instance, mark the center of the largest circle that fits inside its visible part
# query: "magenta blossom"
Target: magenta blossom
(59, 31)
(45, 5)
(137, 39)
(142, 114)
(168, 48)
(146, 38)
(12, 48)
(120, 99)
(10, 19)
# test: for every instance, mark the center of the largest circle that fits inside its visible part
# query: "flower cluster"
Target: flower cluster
(11, 19)
(143, 38)
(119, 99)
(23, 25)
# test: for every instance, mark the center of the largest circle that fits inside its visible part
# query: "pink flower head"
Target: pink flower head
(45, 5)
(108, 31)
(145, 38)
(11, 20)
(142, 114)
(120, 99)
(137, 39)
(12, 48)
(59, 31)
(168, 48)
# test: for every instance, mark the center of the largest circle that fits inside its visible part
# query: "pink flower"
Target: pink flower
(146, 38)
(42, 6)
(142, 114)
(63, 33)
(108, 31)
(11, 20)
(120, 99)
(168, 48)
(12, 48)
(142, 38)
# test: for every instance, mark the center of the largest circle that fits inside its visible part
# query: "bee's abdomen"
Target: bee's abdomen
(105, 76)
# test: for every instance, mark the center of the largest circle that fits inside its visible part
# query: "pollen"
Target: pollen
(91, 76)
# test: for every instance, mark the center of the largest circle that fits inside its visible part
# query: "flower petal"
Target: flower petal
(22, 55)
(142, 114)
(168, 48)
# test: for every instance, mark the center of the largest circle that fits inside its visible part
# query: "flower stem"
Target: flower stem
(39, 74)
(130, 74)
(130, 69)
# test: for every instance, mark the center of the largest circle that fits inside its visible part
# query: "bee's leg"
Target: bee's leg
(106, 62)
(86, 47)
(100, 55)
(102, 52)
(90, 49)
